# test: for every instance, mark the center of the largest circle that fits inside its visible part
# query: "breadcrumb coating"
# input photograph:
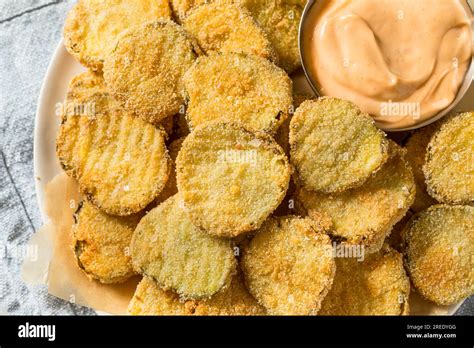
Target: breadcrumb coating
(366, 215)
(92, 26)
(238, 88)
(168, 248)
(145, 70)
(289, 266)
(231, 179)
(101, 244)
(449, 167)
(228, 28)
(378, 285)
(334, 146)
(438, 247)
(120, 162)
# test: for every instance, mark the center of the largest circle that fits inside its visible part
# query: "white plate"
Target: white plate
(61, 70)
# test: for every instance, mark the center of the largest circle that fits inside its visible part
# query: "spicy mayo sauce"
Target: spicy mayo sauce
(402, 61)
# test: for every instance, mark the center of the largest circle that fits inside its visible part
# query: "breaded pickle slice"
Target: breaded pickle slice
(416, 152)
(234, 87)
(227, 27)
(236, 300)
(86, 97)
(121, 162)
(150, 299)
(231, 179)
(438, 248)
(288, 266)
(449, 168)
(334, 146)
(144, 71)
(365, 215)
(280, 19)
(101, 244)
(168, 248)
(92, 26)
(376, 285)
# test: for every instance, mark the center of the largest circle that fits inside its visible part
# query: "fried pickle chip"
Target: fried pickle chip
(144, 71)
(280, 19)
(365, 215)
(168, 248)
(334, 146)
(234, 87)
(101, 244)
(171, 188)
(378, 285)
(92, 26)
(438, 247)
(150, 299)
(416, 153)
(231, 179)
(227, 27)
(449, 167)
(236, 300)
(288, 266)
(120, 162)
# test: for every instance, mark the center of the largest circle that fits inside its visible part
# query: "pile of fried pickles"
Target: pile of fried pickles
(204, 172)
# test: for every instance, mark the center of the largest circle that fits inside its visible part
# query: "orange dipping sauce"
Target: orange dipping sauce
(401, 61)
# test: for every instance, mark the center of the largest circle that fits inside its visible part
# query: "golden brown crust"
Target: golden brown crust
(377, 285)
(334, 146)
(288, 266)
(144, 71)
(236, 300)
(228, 28)
(168, 248)
(92, 26)
(438, 247)
(121, 162)
(231, 178)
(449, 167)
(280, 19)
(365, 215)
(238, 88)
(150, 299)
(101, 244)
(416, 146)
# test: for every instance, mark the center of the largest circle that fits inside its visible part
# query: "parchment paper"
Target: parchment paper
(60, 272)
